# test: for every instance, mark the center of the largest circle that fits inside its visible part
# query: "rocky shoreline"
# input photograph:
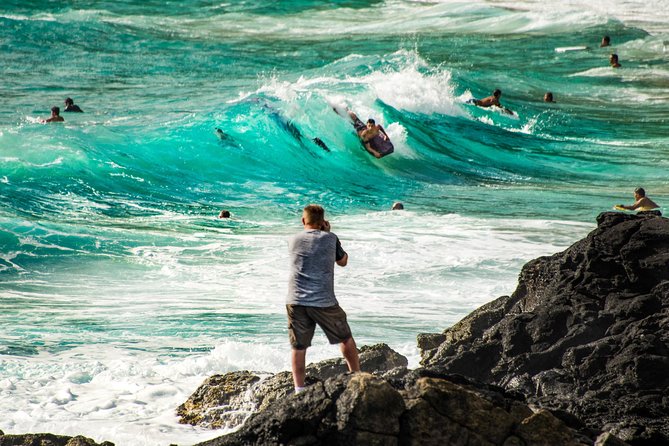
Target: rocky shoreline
(577, 355)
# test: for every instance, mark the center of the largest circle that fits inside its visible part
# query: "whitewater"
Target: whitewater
(121, 290)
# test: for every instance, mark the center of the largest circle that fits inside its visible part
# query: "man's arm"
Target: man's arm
(369, 148)
(341, 257)
(343, 261)
(384, 133)
(630, 207)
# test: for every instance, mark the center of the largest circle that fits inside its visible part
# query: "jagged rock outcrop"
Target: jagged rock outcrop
(227, 400)
(427, 410)
(47, 440)
(586, 331)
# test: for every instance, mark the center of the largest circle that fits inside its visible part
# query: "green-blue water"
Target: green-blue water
(120, 289)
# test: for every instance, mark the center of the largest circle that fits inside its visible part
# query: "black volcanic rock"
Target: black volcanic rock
(227, 400)
(365, 410)
(586, 331)
(48, 440)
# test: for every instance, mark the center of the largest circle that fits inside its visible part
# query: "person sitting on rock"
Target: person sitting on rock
(641, 203)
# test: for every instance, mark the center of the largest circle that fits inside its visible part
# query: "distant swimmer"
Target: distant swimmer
(548, 97)
(491, 100)
(55, 115)
(613, 60)
(224, 214)
(606, 41)
(71, 107)
(397, 206)
(369, 132)
(641, 203)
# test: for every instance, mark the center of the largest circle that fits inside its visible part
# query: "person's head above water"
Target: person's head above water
(371, 122)
(55, 111)
(548, 97)
(613, 60)
(224, 214)
(639, 192)
(497, 93)
(397, 206)
(606, 41)
(69, 101)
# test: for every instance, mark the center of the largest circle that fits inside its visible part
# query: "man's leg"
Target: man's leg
(298, 358)
(350, 352)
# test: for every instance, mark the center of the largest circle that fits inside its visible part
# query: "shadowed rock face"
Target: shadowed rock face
(586, 331)
(362, 409)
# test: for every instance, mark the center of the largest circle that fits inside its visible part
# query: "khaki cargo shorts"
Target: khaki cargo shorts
(302, 323)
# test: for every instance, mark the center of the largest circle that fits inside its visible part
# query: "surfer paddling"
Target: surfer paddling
(491, 100)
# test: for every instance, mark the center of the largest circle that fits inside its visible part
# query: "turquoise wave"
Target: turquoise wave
(155, 84)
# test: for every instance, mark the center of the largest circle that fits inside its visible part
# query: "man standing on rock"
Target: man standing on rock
(311, 299)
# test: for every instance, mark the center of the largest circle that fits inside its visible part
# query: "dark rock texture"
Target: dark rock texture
(429, 410)
(47, 440)
(227, 400)
(585, 332)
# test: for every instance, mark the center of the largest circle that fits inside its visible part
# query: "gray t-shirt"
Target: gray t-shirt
(312, 256)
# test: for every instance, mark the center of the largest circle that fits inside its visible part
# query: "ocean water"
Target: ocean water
(120, 290)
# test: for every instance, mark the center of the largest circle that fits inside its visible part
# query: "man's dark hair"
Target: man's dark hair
(69, 101)
(371, 121)
(606, 39)
(315, 214)
(56, 110)
(497, 92)
(614, 56)
(640, 191)
(224, 214)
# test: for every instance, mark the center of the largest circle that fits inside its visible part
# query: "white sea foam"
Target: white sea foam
(405, 82)
(457, 16)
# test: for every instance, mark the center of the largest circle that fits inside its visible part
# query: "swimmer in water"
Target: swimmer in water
(55, 116)
(71, 107)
